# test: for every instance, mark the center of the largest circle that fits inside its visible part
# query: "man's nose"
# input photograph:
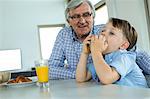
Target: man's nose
(82, 20)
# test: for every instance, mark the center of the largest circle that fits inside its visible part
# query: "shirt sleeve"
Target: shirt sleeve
(123, 64)
(61, 73)
(143, 61)
(57, 69)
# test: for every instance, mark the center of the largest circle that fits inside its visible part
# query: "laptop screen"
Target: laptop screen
(10, 59)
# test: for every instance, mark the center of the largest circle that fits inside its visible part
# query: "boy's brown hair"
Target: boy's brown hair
(128, 31)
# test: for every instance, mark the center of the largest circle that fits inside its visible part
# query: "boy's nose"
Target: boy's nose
(103, 33)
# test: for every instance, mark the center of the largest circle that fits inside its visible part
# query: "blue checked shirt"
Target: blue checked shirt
(68, 47)
(143, 61)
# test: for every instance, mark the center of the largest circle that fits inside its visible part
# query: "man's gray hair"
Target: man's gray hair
(75, 3)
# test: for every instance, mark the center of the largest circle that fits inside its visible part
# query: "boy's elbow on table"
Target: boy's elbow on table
(105, 81)
(79, 80)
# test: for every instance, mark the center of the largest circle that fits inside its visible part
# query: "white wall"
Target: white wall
(134, 12)
(1, 21)
(21, 18)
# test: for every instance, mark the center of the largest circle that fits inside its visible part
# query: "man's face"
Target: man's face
(81, 20)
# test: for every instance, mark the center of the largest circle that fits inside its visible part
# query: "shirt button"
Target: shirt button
(110, 60)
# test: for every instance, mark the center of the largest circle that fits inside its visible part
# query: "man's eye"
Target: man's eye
(86, 14)
(75, 16)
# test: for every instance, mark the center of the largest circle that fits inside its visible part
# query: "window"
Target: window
(101, 13)
(47, 36)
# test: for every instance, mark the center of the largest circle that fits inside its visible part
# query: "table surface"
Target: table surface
(70, 89)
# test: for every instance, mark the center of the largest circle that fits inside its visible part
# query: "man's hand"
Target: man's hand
(86, 45)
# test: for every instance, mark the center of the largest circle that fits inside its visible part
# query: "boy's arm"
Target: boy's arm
(82, 74)
(105, 73)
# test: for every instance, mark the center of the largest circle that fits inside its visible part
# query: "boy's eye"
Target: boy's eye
(111, 33)
(103, 30)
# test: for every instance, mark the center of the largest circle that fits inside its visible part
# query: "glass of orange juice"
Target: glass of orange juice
(41, 67)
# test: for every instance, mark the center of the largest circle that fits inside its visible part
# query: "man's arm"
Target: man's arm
(57, 70)
(143, 61)
(61, 73)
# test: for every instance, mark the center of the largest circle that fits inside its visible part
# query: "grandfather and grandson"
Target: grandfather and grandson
(80, 15)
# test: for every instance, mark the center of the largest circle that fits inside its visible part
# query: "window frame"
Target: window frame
(147, 10)
(46, 26)
(100, 5)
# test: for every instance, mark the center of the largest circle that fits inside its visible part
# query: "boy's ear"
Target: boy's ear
(125, 45)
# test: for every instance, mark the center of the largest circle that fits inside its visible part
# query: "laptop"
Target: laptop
(10, 59)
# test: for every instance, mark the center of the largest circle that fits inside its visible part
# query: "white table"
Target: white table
(69, 89)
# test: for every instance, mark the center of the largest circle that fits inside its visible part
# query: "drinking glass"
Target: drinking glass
(4, 76)
(41, 67)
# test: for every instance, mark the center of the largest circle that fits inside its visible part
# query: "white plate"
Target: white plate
(23, 84)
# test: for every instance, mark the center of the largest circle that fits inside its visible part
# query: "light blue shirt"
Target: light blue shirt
(125, 64)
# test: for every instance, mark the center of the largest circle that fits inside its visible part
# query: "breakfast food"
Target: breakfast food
(20, 79)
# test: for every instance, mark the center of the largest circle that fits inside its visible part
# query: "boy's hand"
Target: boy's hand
(98, 44)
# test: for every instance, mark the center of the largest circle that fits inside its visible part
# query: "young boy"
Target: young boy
(113, 56)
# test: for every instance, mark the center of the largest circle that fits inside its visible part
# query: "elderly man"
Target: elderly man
(80, 15)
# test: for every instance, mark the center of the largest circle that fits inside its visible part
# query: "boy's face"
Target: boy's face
(114, 38)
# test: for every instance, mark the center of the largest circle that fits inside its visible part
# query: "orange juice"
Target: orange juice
(42, 73)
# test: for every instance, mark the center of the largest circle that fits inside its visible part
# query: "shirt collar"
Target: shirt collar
(74, 37)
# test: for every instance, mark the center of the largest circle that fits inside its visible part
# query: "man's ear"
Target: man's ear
(125, 45)
(67, 20)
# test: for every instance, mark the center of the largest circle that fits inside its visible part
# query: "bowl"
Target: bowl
(4, 76)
